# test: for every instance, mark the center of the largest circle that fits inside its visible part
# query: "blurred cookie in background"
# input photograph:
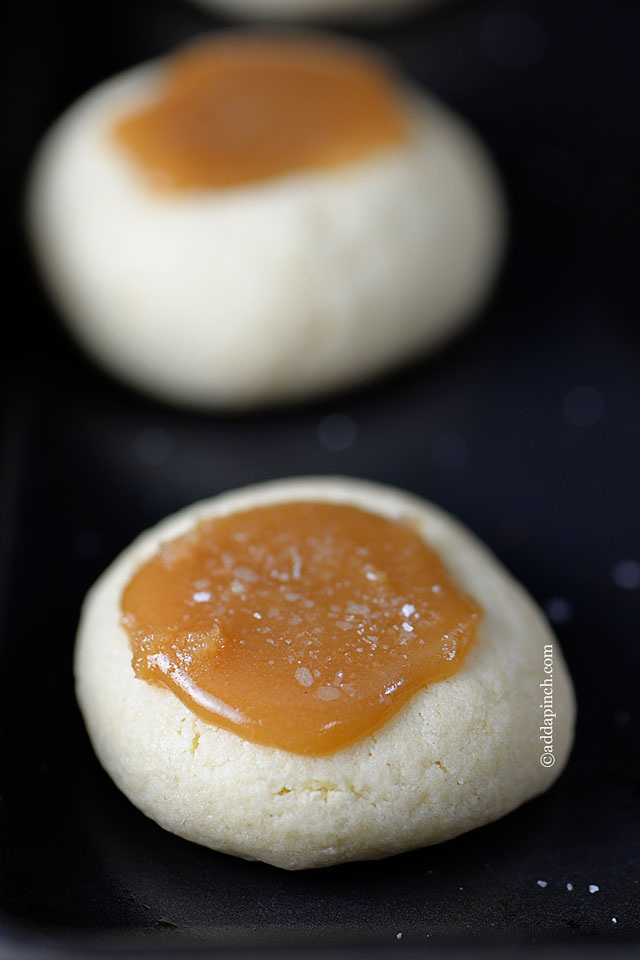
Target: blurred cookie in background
(316, 10)
(262, 218)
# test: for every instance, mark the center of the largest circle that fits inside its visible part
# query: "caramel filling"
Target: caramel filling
(303, 626)
(246, 108)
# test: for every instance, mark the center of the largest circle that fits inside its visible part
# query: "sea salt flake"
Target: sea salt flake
(202, 596)
(408, 609)
(328, 693)
(304, 677)
(357, 608)
(593, 888)
(541, 883)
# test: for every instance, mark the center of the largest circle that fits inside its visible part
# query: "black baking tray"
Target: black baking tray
(527, 428)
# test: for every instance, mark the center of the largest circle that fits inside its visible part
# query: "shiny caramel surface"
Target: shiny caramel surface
(243, 108)
(301, 625)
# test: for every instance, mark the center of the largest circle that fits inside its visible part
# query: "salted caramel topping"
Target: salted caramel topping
(303, 626)
(244, 108)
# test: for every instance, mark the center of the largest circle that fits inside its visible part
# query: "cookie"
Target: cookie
(317, 10)
(457, 753)
(307, 222)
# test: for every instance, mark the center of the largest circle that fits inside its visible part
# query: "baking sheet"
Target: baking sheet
(526, 427)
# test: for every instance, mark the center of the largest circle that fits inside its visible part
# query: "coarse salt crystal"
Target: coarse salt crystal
(202, 596)
(304, 677)
(328, 693)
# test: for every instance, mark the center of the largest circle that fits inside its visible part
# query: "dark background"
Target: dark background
(527, 428)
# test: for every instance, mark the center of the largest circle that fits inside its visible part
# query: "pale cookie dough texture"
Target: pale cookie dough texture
(459, 754)
(270, 292)
(316, 10)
